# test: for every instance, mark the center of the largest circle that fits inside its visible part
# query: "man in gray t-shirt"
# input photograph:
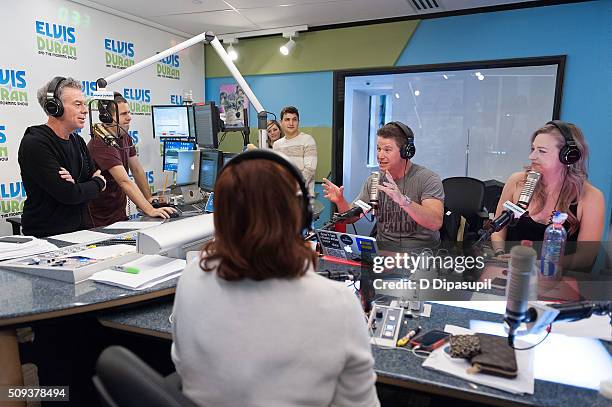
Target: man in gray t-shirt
(411, 197)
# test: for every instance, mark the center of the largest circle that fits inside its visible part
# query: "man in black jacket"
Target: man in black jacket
(56, 169)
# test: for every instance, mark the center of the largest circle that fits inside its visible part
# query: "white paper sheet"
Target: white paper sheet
(104, 252)
(153, 270)
(81, 236)
(133, 225)
(33, 247)
(522, 384)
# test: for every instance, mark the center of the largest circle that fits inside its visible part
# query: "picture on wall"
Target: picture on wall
(232, 104)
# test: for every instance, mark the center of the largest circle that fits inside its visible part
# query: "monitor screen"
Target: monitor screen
(210, 164)
(170, 121)
(188, 168)
(171, 149)
(206, 120)
(227, 157)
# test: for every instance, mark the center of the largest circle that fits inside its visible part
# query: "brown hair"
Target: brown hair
(258, 221)
(290, 109)
(392, 131)
(274, 122)
(574, 175)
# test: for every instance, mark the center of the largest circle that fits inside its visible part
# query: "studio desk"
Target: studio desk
(398, 367)
(26, 299)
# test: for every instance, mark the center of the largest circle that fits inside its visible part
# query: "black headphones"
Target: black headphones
(570, 153)
(53, 105)
(408, 150)
(307, 214)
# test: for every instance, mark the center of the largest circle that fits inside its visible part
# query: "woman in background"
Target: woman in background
(274, 132)
(254, 325)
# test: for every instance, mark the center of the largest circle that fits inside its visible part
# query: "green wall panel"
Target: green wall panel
(344, 48)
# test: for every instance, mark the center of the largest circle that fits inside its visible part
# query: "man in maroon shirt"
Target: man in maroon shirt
(109, 206)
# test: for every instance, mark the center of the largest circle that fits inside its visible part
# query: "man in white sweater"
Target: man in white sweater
(300, 148)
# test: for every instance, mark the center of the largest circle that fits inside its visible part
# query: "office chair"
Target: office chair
(123, 380)
(463, 197)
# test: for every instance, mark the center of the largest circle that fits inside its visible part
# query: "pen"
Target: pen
(404, 341)
(131, 270)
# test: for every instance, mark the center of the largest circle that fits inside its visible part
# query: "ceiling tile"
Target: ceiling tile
(219, 22)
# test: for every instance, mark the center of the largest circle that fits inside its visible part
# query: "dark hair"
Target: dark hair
(118, 98)
(392, 131)
(264, 241)
(289, 109)
(274, 122)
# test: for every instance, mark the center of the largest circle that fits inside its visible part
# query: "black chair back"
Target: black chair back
(463, 196)
(124, 380)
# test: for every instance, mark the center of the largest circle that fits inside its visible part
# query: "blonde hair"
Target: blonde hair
(574, 175)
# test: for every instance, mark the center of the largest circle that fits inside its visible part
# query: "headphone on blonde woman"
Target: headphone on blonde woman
(307, 212)
(569, 153)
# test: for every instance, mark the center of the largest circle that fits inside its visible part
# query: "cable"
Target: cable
(548, 329)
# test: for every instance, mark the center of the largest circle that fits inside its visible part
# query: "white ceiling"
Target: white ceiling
(191, 17)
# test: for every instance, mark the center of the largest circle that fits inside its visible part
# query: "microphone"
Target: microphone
(360, 209)
(99, 130)
(522, 262)
(374, 191)
(531, 182)
(517, 210)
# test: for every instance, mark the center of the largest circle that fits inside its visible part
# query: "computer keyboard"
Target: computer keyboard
(196, 207)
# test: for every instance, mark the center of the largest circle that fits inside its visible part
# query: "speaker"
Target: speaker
(408, 150)
(53, 105)
(569, 153)
(307, 212)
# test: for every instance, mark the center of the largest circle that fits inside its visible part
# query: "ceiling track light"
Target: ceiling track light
(286, 48)
(231, 51)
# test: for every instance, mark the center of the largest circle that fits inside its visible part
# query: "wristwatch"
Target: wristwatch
(407, 201)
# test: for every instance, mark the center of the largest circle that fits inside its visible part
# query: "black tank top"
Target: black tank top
(528, 229)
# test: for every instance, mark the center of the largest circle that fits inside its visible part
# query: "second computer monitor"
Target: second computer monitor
(171, 149)
(210, 163)
(207, 125)
(188, 169)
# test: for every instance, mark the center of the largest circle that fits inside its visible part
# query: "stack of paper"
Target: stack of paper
(21, 246)
(522, 384)
(153, 269)
(81, 236)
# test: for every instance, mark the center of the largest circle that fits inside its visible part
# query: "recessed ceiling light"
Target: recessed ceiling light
(196, 1)
(445, 76)
(417, 92)
(397, 96)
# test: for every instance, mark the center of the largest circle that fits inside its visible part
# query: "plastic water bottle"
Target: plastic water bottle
(553, 247)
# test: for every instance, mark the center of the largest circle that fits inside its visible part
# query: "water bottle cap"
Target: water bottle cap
(559, 217)
(527, 243)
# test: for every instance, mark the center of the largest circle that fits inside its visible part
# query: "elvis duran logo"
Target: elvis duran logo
(139, 100)
(56, 40)
(3, 149)
(13, 87)
(89, 87)
(176, 100)
(169, 67)
(118, 54)
(11, 198)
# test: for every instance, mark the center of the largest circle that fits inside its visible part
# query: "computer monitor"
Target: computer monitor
(207, 125)
(171, 149)
(227, 157)
(210, 163)
(171, 121)
(188, 169)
